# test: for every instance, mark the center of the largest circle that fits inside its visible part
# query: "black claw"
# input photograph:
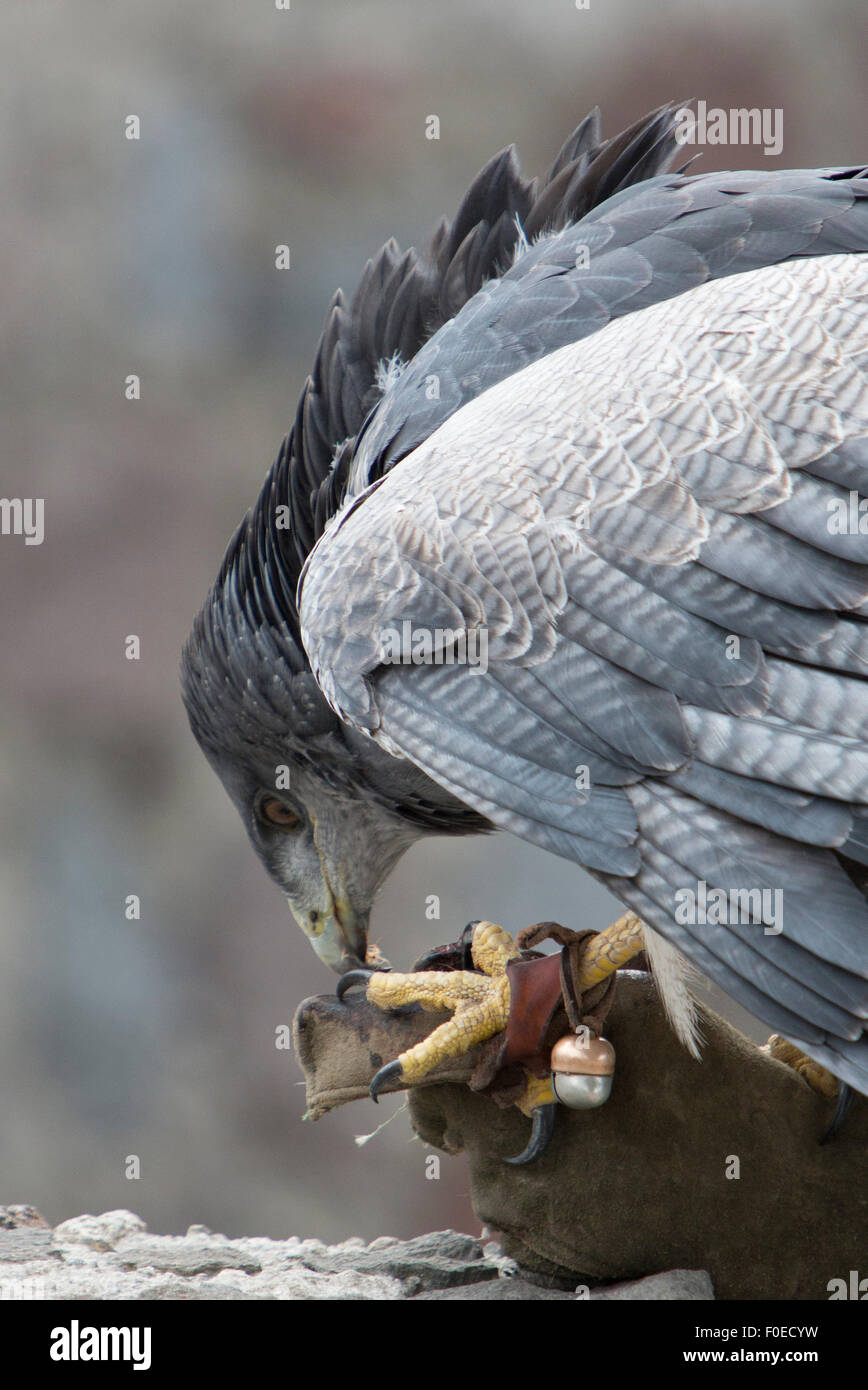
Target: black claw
(465, 941)
(540, 1135)
(384, 1075)
(438, 958)
(842, 1110)
(353, 977)
(456, 956)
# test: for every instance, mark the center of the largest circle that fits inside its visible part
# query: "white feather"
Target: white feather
(675, 978)
(389, 370)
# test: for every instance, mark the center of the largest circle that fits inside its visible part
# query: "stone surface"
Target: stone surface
(443, 1259)
(23, 1245)
(99, 1232)
(187, 1255)
(691, 1165)
(12, 1218)
(683, 1285)
(112, 1257)
(673, 1284)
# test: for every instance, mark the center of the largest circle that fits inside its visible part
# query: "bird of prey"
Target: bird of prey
(568, 538)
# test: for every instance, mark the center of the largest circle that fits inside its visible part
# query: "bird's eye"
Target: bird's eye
(276, 812)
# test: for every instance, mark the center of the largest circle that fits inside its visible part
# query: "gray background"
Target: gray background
(259, 127)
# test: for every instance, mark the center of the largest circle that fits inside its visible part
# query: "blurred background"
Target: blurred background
(259, 127)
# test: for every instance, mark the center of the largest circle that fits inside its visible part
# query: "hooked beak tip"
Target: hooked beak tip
(339, 938)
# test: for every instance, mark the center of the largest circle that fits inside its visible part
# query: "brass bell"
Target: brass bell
(582, 1071)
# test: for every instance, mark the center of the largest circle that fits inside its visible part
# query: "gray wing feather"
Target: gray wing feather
(812, 820)
(650, 895)
(728, 223)
(615, 517)
(822, 910)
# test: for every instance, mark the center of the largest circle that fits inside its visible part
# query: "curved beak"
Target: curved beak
(336, 931)
(330, 893)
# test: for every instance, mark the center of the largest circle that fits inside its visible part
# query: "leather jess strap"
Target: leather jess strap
(535, 995)
(543, 986)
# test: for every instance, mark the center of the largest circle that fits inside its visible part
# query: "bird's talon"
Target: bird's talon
(386, 1074)
(456, 956)
(842, 1110)
(353, 978)
(543, 1117)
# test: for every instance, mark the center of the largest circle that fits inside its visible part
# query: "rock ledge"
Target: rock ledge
(114, 1257)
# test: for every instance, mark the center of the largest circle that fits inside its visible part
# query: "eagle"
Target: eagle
(569, 538)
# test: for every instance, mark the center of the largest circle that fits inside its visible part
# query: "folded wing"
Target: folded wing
(615, 603)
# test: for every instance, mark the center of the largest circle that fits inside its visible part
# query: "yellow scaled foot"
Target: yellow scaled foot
(480, 1003)
(611, 948)
(480, 1006)
(816, 1076)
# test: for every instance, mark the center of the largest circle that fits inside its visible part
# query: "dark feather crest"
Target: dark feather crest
(402, 299)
